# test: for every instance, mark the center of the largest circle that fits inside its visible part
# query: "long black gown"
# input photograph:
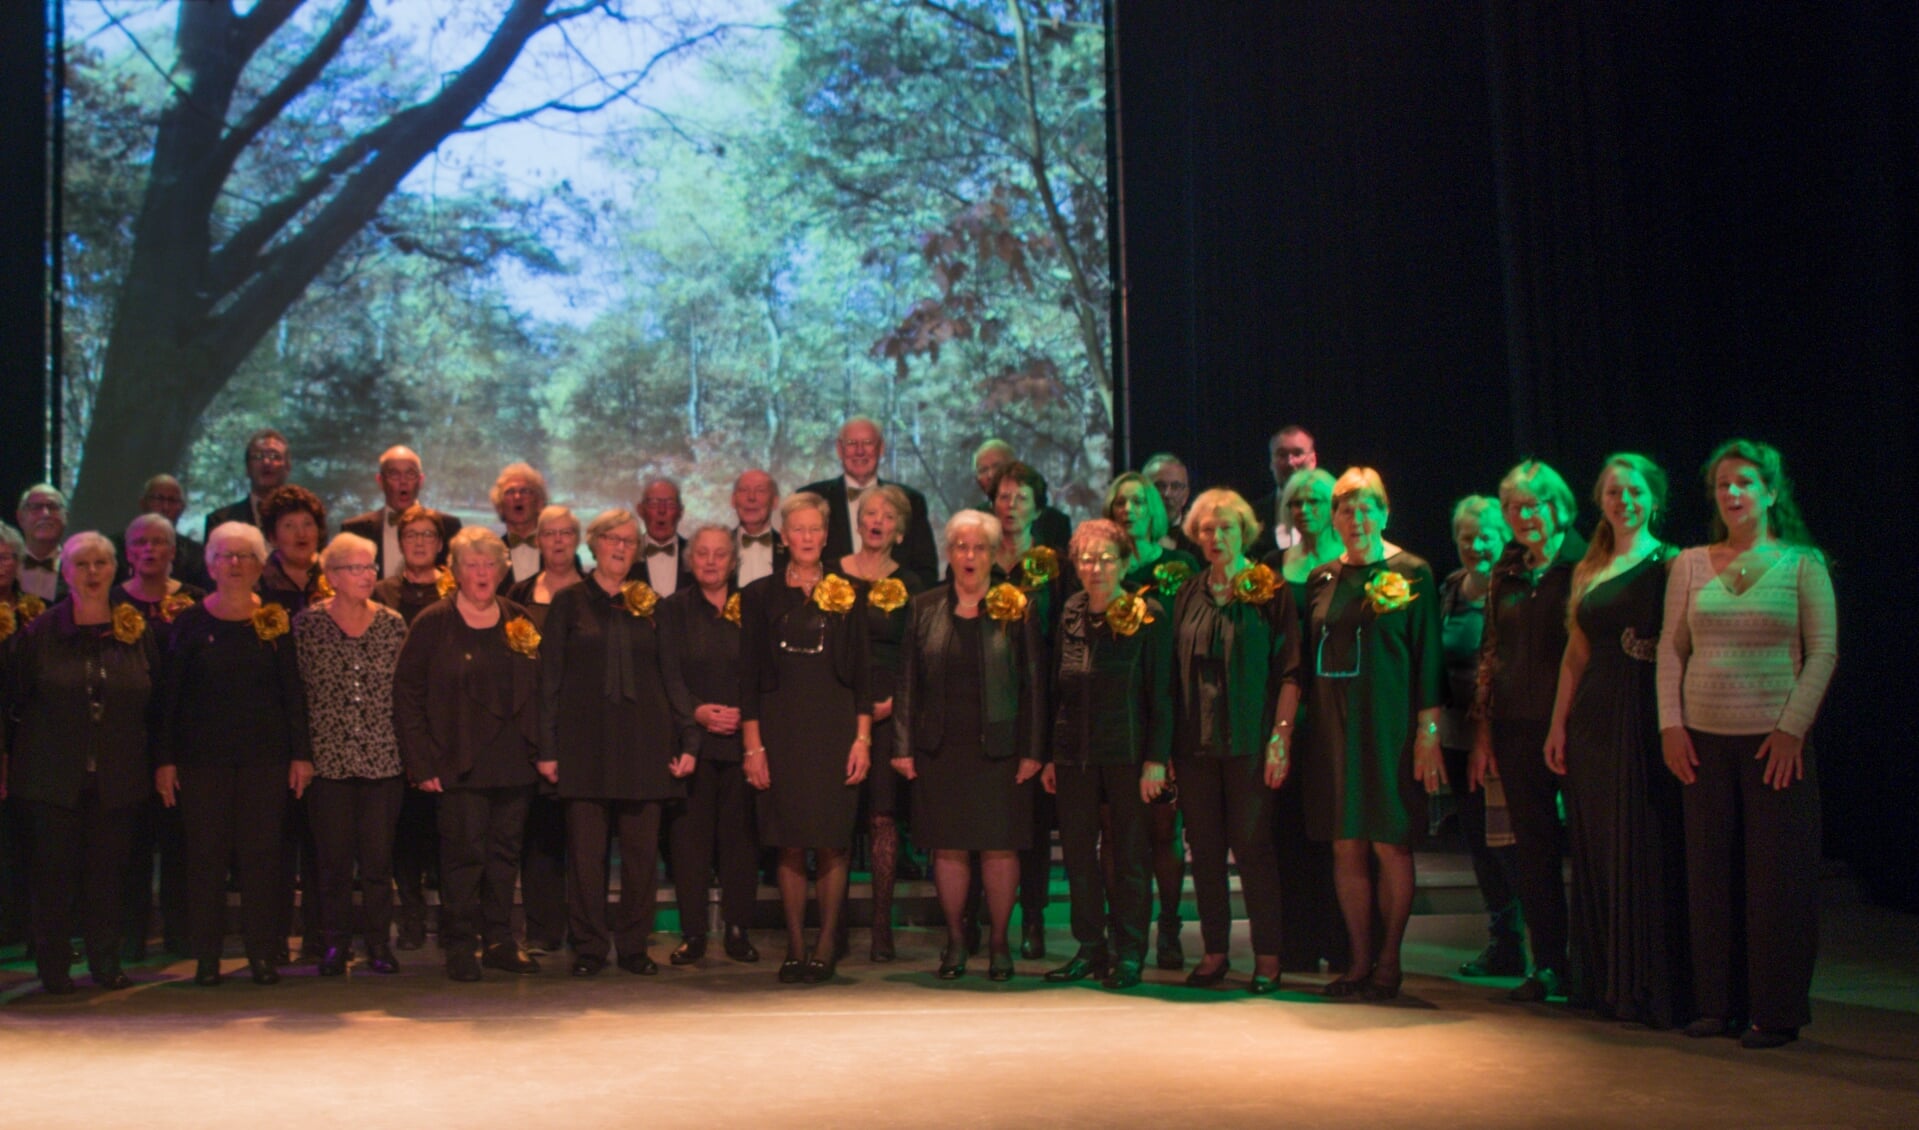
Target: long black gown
(1623, 811)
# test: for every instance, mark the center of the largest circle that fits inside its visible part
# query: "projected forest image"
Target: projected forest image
(614, 239)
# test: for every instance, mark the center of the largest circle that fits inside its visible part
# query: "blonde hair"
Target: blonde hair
(894, 497)
(1360, 480)
(605, 522)
(1221, 498)
(807, 500)
(1158, 525)
(522, 472)
(245, 533)
(477, 539)
(1544, 484)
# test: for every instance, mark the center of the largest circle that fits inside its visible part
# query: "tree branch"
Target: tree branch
(965, 21)
(620, 92)
(296, 81)
(258, 26)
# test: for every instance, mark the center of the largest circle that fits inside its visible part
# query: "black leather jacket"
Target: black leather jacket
(1010, 678)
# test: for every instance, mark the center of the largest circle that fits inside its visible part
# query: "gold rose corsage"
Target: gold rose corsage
(523, 637)
(1389, 592)
(1039, 566)
(1169, 575)
(9, 622)
(172, 605)
(1128, 614)
(1005, 602)
(640, 598)
(128, 624)
(834, 593)
(887, 594)
(322, 588)
(444, 584)
(1255, 585)
(731, 613)
(270, 622)
(31, 607)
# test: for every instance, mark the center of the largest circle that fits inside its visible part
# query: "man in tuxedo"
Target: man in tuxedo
(400, 479)
(269, 463)
(1290, 451)
(662, 562)
(42, 515)
(860, 447)
(519, 494)
(760, 551)
(164, 496)
(1051, 527)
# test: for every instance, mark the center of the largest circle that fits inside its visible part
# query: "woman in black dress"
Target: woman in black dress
(806, 716)
(1525, 639)
(348, 647)
(1112, 683)
(885, 586)
(967, 725)
(80, 685)
(232, 746)
(1235, 692)
(1623, 813)
(466, 707)
(700, 641)
(1372, 738)
(609, 744)
(1138, 508)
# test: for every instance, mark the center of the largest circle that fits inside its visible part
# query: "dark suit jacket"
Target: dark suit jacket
(438, 721)
(1011, 670)
(55, 735)
(241, 511)
(1268, 540)
(918, 552)
(367, 525)
(1051, 527)
(639, 572)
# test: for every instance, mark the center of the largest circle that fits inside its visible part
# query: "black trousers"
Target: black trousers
(1228, 807)
(233, 812)
(590, 824)
(1492, 866)
(299, 876)
(353, 821)
(480, 832)
(16, 860)
(1752, 862)
(716, 822)
(1128, 907)
(416, 851)
(1036, 862)
(157, 833)
(543, 871)
(1539, 839)
(78, 852)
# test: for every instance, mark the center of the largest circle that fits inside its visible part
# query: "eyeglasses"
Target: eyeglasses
(351, 570)
(619, 540)
(228, 557)
(44, 506)
(418, 537)
(516, 492)
(266, 455)
(1097, 561)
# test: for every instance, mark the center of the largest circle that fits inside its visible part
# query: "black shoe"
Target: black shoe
(1706, 1027)
(56, 982)
(880, 947)
(1000, 967)
(334, 961)
(1757, 1038)
(818, 970)
(508, 957)
(411, 935)
(1032, 945)
(1084, 966)
(692, 948)
(206, 972)
(792, 971)
(1378, 988)
(310, 951)
(1346, 987)
(952, 963)
(263, 971)
(640, 964)
(1198, 980)
(380, 959)
(461, 965)
(1543, 984)
(1262, 985)
(739, 946)
(1168, 953)
(1124, 975)
(281, 955)
(111, 976)
(588, 966)
(1496, 960)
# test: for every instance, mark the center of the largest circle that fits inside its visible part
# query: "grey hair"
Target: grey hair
(605, 522)
(160, 520)
(343, 544)
(85, 540)
(13, 539)
(245, 533)
(557, 515)
(732, 547)
(42, 488)
(987, 526)
(477, 539)
(804, 500)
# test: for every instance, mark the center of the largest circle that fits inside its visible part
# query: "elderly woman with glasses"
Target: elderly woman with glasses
(232, 747)
(348, 648)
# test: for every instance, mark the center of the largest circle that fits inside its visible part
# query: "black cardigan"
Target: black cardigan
(1010, 658)
(438, 721)
(1114, 692)
(50, 711)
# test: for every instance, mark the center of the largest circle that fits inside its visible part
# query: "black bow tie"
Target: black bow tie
(765, 539)
(670, 550)
(515, 541)
(44, 563)
(393, 517)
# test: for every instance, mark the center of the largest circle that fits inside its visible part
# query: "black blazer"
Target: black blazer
(50, 712)
(764, 606)
(241, 511)
(1268, 540)
(917, 552)
(437, 720)
(1114, 693)
(1010, 657)
(368, 526)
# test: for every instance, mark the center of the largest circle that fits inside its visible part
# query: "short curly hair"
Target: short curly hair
(291, 499)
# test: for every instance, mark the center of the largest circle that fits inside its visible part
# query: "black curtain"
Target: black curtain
(23, 217)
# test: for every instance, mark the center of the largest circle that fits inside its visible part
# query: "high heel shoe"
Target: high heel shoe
(1000, 966)
(792, 970)
(263, 971)
(1378, 988)
(1262, 985)
(1347, 987)
(952, 963)
(1198, 979)
(206, 972)
(819, 970)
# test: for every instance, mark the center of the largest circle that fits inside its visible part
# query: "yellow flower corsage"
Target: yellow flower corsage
(640, 598)
(172, 605)
(1170, 575)
(1255, 585)
(1389, 592)
(1128, 614)
(888, 594)
(31, 607)
(1005, 602)
(270, 622)
(731, 613)
(834, 593)
(9, 623)
(128, 624)
(444, 584)
(523, 637)
(1039, 566)
(322, 588)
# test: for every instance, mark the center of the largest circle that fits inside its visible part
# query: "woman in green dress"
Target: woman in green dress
(1372, 733)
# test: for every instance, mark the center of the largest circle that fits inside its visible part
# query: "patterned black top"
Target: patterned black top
(349, 692)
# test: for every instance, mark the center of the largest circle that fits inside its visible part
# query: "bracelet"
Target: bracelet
(756, 751)
(862, 739)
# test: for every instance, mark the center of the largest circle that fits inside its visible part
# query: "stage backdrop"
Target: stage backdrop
(676, 237)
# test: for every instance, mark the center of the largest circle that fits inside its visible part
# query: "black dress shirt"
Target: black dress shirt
(230, 697)
(607, 720)
(701, 659)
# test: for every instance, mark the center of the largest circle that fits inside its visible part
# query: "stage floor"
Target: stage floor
(891, 1046)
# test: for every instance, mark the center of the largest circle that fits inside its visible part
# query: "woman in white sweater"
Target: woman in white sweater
(1748, 647)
